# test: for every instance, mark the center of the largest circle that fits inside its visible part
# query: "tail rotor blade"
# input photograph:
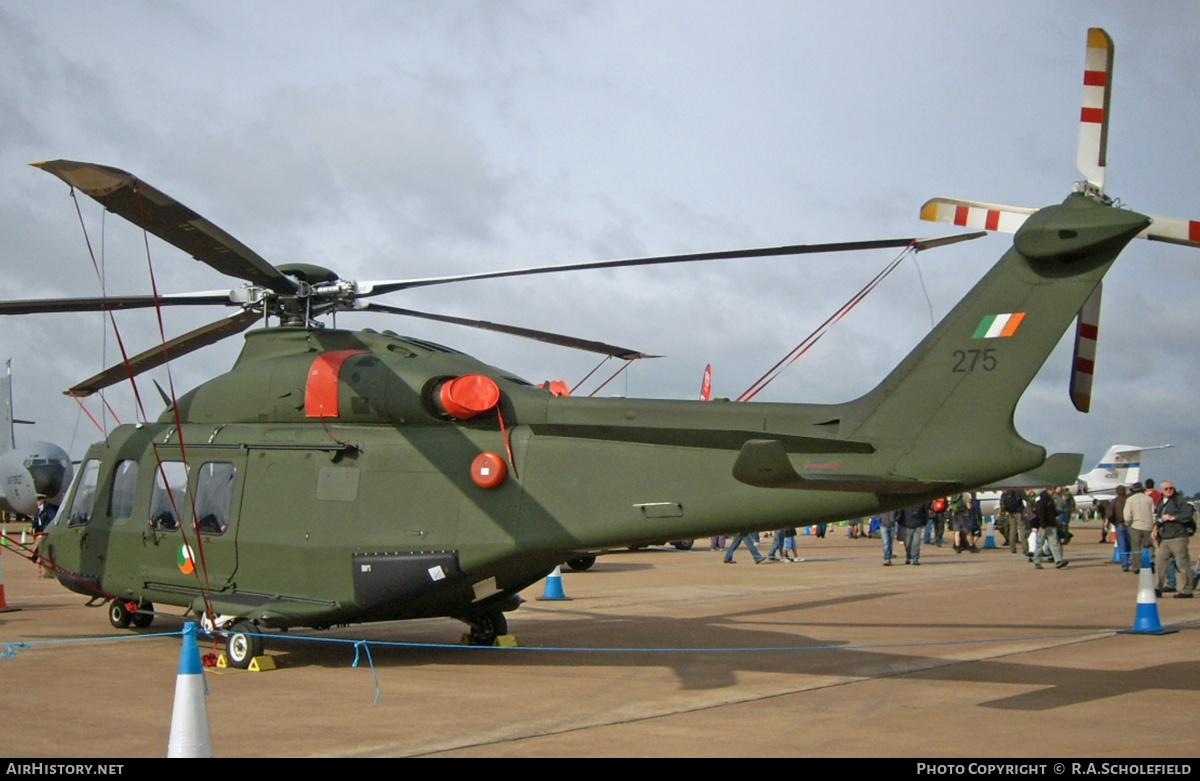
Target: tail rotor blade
(1093, 120)
(975, 214)
(1083, 364)
(1173, 230)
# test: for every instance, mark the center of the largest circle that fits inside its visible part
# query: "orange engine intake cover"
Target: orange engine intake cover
(466, 396)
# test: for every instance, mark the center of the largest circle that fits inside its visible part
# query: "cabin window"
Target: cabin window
(83, 504)
(168, 503)
(214, 496)
(124, 488)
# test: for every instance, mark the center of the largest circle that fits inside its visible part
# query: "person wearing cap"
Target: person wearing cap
(41, 519)
(44, 515)
(1174, 525)
(1139, 517)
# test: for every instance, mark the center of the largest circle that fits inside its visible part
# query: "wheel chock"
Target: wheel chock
(261, 664)
(257, 665)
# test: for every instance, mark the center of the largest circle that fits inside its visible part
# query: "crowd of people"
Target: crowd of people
(1034, 523)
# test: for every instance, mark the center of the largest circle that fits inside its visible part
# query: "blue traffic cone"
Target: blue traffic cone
(1146, 621)
(990, 542)
(190, 738)
(554, 587)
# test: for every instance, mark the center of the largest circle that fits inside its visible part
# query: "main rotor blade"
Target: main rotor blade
(124, 194)
(381, 287)
(36, 306)
(528, 333)
(157, 356)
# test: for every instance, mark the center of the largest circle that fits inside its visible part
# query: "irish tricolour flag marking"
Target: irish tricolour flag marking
(185, 560)
(998, 325)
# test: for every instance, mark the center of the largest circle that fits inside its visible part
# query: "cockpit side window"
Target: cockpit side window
(169, 504)
(124, 487)
(83, 503)
(214, 496)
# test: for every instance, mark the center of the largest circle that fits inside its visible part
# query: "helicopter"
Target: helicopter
(334, 477)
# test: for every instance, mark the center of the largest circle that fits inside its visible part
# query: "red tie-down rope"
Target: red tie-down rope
(201, 571)
(822, 329)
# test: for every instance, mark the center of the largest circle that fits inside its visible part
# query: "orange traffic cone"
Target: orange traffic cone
(4, 608)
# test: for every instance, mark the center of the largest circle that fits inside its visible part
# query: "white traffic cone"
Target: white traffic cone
(554, 587)
(1146, 622)
(190, 738)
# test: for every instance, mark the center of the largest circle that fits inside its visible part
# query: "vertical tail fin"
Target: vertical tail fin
(947, 409)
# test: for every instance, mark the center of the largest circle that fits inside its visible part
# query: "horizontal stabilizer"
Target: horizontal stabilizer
(764, 463)
(1058, 469)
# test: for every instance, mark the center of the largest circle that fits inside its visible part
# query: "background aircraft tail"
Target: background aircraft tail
(1121, 465)
(7, 439)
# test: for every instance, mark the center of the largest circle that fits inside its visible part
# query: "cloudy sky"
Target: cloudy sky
(390, 140)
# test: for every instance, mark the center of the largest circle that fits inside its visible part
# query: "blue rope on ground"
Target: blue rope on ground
(11, 649)
(362, 646)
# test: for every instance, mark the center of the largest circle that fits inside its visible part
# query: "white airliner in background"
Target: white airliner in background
(1121, 465)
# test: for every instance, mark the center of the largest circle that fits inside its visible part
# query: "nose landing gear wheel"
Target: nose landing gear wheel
(119, 615)
(242, 644)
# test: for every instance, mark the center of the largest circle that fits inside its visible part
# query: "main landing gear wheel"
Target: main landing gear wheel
(119, 615)
(486, 627)
(242, 644)
(683, 544)
(144, 616)
(581, 563)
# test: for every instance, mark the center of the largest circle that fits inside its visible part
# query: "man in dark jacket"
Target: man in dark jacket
(1012, 508)
(912, 522)
(1045, 521)
(1174, 524)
